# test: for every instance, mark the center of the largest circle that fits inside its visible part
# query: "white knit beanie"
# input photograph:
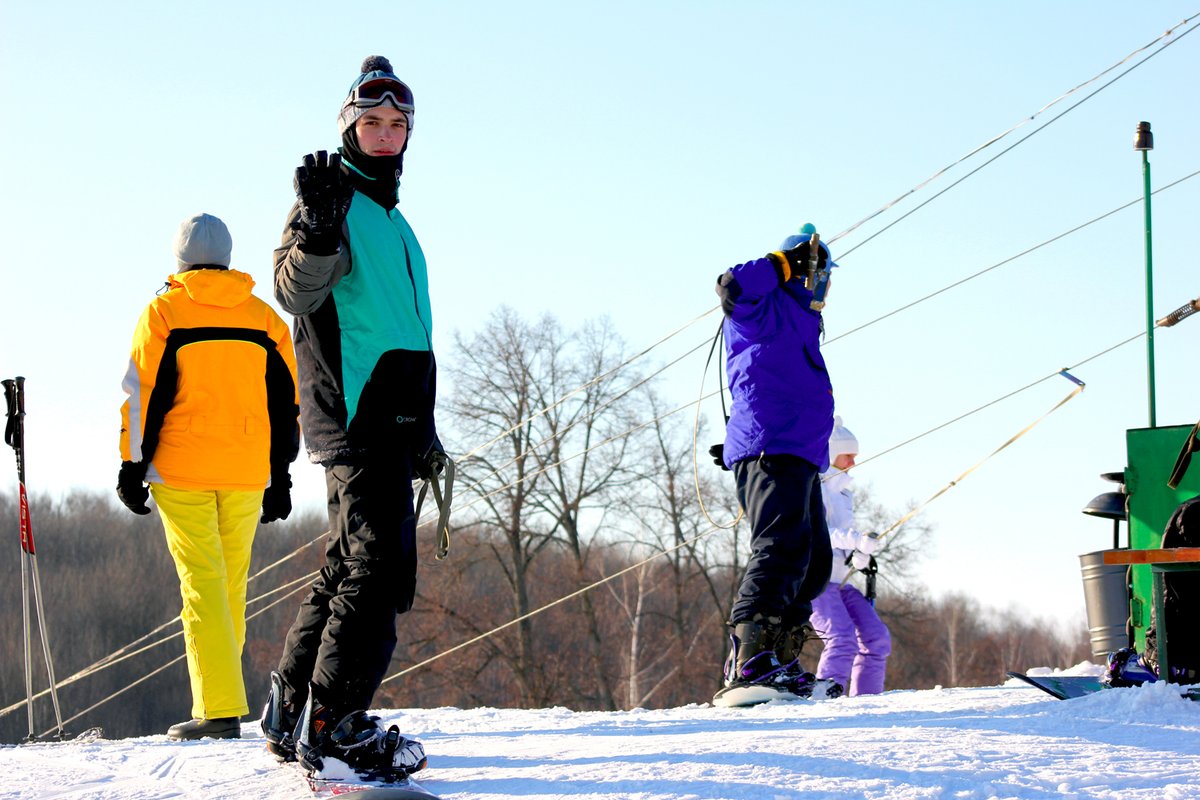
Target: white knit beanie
(841, 440)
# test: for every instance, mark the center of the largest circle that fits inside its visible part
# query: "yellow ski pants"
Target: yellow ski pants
(209, 534)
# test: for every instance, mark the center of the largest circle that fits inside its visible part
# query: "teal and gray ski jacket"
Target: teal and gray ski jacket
(363, 336)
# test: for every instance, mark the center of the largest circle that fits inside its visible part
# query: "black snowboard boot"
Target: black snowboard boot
(752, 657)
(279, 719)
(794, 678)
(356, 740)
(222, 728)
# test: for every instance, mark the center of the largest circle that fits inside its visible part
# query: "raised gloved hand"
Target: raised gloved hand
(868, 543)
(795, 262)
(324, 192)
(277, 499)
(717, 451)
(131, 487)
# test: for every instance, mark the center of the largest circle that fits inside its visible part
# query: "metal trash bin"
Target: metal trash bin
(1106, 598)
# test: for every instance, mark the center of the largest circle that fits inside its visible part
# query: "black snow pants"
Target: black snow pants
(790, 555)
(345, 632)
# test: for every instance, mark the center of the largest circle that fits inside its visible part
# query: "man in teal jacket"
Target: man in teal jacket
(351, 271)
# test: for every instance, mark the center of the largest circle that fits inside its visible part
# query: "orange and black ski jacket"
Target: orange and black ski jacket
(212, 386)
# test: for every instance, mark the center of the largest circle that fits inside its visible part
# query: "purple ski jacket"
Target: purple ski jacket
(782, 395)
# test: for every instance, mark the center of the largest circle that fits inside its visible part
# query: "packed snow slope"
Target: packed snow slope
(1009, 741)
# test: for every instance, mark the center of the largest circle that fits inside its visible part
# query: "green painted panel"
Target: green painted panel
(1151, 454)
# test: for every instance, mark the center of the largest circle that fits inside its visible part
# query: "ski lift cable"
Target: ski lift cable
(1008, 260)
(548, 606)
(1015, 144)
(125, 653)
(157, 670)
(1000, 399)
(912, 512)
(1169, 32)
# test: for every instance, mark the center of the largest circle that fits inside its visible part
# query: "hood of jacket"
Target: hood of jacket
(214, 287)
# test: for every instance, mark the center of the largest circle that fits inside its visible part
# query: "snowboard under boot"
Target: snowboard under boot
(279, 719)
(357, 741)
(221, 728)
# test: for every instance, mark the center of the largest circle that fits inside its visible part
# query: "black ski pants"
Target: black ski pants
(345, 632)
(790, 555)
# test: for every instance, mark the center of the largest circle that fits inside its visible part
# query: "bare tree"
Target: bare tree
(584, 458)
(497, 377)
(698, 559)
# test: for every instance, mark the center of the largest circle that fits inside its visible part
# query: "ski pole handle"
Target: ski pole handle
(14, 399)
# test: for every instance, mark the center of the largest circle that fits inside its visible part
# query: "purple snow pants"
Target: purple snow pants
(857, 642)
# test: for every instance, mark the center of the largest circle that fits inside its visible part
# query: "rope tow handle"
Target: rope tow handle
(1079, 387)
(443, 501)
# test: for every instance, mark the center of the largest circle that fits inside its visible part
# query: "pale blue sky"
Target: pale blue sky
(589, 159)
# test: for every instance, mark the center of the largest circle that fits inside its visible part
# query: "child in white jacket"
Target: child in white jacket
(857, 642)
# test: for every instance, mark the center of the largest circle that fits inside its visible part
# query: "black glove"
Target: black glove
(794, 263)
(131, 487)
(277, 499)
(717, 451)
(324, 192)
(432, 462)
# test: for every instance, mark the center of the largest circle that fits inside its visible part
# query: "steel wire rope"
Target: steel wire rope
(998, 264)
(548, 606)
(1015, 144)
(125, 653)
(1023, 122)
(170, 663)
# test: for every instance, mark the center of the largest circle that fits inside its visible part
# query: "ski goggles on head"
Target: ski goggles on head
(378, 91)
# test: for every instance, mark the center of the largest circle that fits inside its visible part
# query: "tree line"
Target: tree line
(580, 474)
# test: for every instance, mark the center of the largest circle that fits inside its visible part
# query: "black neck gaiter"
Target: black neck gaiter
(380, 175)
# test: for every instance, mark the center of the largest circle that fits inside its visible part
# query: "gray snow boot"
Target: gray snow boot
(221, 728)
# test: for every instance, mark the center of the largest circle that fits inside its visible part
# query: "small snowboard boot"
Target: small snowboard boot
(279, 719)
(357, 741)
(794, 678)
(221, 728)
(1126, 668)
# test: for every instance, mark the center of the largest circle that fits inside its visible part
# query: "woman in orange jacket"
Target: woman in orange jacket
(211, 424)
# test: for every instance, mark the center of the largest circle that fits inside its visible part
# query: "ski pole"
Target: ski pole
(14, 436)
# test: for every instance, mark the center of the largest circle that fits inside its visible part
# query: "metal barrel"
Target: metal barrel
(1106, 599)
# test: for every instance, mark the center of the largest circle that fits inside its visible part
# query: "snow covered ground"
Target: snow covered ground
(1009, 741)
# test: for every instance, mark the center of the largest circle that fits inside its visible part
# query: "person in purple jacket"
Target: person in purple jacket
(777, 444)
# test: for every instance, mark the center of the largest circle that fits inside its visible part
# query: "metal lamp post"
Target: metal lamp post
(1143, 142)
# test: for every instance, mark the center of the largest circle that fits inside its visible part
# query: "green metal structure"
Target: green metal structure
(1151, 453)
